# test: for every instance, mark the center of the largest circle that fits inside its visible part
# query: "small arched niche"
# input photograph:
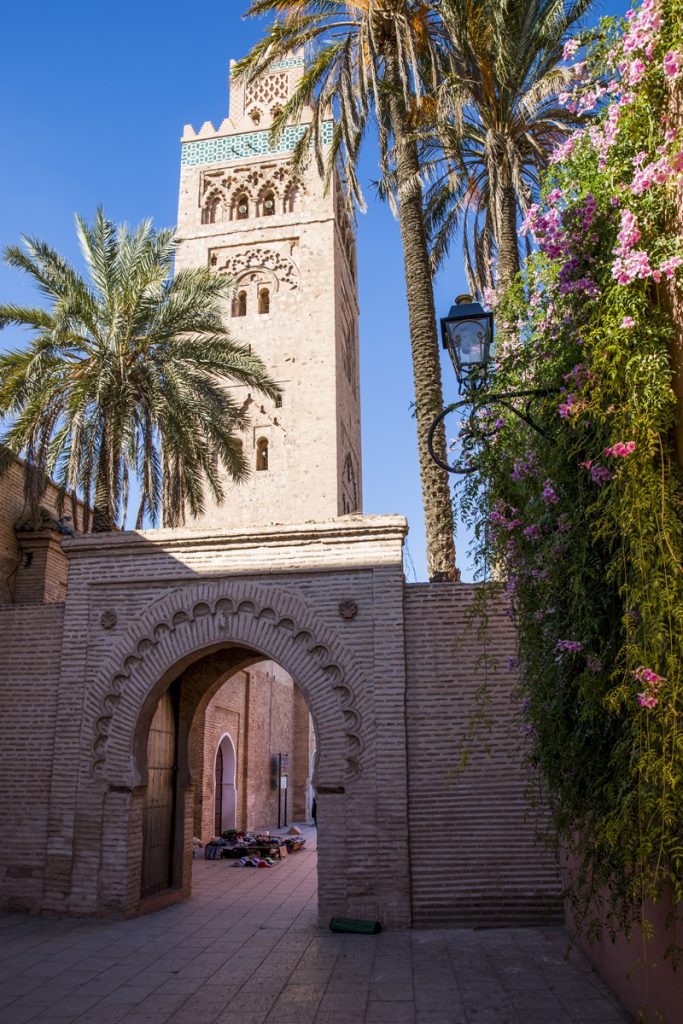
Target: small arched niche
(242, 207)
(239, 304)
(213, 211)
(268, 204)
(264, 300)
(262, 454)
(225, 799)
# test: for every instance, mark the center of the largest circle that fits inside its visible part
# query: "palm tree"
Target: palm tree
(370, 63)
(500, 119)
(124, 376)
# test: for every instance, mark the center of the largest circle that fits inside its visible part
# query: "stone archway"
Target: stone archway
(245, 622)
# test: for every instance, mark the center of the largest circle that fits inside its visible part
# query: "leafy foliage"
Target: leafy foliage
(125, 375)
(583, 519)
(498, 120)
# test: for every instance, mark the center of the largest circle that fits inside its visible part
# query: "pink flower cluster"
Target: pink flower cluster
(572, 646)
(525, 466)
(673, 62)
(565, 149)
(499, 518)
(570, 48)
(600, 475)
(604, 136)
(621, 449)
(549, 497)
(669, 267)
(630, 262)
(643, 29)
(649, 698)
(656, 172)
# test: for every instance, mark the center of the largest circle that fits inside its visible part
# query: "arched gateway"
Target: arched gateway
(194, 638)
(390, 674)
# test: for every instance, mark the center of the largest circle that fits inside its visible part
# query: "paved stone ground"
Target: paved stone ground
(246, 949)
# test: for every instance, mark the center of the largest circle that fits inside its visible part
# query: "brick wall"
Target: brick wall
(43, 577)
(265, 714)
(29, 677)
(474, 858)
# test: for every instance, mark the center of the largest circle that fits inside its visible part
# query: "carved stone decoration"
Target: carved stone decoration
(267, 90)
(348, 609)
(253, 181)
(258, 258)
(176, 624)
(108, 619)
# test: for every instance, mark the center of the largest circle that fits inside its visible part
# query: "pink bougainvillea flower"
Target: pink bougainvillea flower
(647, 700)
(628, 321)
(673, 62)
(621, 449)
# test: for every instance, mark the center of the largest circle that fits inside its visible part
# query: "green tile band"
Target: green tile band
(282, 65)
(230, 147)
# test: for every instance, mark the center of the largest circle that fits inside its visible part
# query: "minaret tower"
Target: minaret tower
(290, 249)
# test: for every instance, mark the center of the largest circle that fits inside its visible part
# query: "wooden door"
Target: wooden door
(159, 814)
(218, 801)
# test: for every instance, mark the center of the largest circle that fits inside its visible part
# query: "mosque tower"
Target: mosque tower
(290, 249)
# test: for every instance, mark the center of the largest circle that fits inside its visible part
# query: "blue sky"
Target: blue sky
(94, 101)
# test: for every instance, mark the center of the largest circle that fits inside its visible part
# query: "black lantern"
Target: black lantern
(467, 333)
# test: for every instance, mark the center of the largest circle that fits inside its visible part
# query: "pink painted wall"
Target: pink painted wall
(658, 989)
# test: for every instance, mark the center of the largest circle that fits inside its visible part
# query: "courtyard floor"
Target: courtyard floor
(246, 949)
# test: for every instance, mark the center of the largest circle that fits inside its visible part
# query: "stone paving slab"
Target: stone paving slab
(247, 948)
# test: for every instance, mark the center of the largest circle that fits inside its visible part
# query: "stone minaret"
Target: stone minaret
(290, 249)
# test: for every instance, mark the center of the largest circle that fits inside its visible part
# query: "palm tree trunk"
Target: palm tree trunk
(436, 496)
(508, 247)
(103, 505)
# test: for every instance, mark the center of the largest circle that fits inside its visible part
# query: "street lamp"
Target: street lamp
(467, 334)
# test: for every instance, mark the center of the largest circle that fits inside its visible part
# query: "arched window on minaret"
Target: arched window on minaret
(213, 211)
(264, 301)
(268, 204)
(239, 304)
(243, 207)
(262, 453)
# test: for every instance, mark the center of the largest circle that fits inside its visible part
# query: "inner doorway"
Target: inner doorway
(225, 786)
(213, 738)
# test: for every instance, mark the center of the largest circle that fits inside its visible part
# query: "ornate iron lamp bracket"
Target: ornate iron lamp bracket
(509, 400)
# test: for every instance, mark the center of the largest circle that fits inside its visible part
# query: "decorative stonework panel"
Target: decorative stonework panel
(250, 144)
(267, 91)
(276, 623)
(257, 258)
(279, 182)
